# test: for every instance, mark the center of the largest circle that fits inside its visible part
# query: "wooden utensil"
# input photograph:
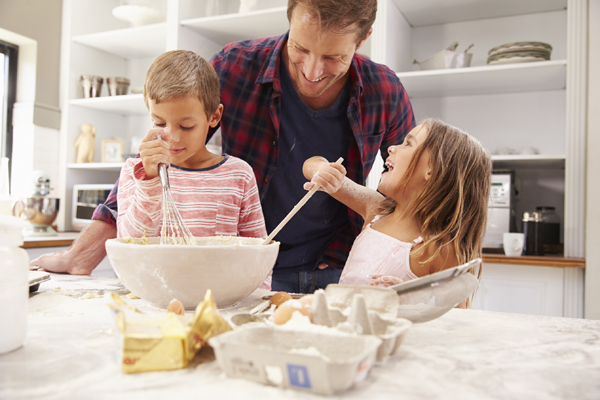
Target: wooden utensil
(296, 208)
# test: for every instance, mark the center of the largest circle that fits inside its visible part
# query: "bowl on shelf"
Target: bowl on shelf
(231, 267)
(138, 15)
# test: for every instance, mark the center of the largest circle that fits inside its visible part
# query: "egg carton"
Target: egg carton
(362, 310)
(322, 360)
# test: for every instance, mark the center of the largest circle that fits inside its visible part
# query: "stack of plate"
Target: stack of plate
(519, 52)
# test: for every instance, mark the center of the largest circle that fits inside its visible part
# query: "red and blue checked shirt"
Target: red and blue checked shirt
(379, 113)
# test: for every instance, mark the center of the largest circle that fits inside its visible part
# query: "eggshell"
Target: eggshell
(175, 306)
(280, 297)
(285, 310)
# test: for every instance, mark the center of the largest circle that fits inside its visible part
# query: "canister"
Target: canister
(14, 284)
(532, 245)
(550, 229)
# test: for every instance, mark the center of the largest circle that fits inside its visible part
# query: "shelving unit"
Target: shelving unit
(223, 29)
(491, 79)
(137, 42)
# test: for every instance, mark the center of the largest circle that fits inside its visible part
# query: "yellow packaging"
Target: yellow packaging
(164, 341)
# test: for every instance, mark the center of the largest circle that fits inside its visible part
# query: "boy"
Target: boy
(215, 195)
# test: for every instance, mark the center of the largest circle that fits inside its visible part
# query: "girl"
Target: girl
(429, 212)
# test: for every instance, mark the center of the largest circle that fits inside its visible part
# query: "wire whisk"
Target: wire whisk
(174, 229)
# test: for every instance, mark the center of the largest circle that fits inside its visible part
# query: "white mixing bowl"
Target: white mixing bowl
(231, 267)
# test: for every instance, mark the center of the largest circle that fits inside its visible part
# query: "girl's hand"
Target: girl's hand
(384, 280)
(154, 150)
(330, 176)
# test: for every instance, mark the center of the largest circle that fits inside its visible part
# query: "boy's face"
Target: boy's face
(188, 126)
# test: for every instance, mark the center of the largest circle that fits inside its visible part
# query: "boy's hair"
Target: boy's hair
(339, 15)
(453, 204)
(183, 73)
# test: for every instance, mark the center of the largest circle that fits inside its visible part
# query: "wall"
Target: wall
(34, 26)
(39, 20)
(592, 272)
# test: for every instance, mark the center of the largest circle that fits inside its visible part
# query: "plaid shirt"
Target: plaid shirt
(379, 112)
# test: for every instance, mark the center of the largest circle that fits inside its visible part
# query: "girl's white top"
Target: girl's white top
(375, 253)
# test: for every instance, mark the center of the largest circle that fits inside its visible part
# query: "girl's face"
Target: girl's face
(398, 161)
(186, 120)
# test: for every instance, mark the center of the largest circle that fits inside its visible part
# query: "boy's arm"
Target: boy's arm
(252, 221)
(331, 177)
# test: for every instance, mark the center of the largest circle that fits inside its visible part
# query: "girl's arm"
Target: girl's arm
(331, 177)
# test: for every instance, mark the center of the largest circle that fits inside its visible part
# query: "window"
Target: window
(8, 92)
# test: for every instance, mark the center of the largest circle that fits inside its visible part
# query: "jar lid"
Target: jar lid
(11, 230)
(532, 216)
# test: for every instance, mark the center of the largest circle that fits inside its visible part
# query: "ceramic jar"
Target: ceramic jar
(14, 284)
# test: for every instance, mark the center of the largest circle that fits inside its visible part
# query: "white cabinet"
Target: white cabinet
(521, 289)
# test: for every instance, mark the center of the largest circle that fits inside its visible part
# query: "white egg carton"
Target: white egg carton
(322, 360)
(362, 310)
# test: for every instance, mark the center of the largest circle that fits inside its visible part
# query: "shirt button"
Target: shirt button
(274, 143)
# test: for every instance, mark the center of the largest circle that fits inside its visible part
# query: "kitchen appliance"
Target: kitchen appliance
(532, 229)
(40, 211)
(85, 200)
(501, 213)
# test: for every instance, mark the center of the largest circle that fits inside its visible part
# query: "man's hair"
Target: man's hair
(339, 15)
(452, 207)
(182, 73)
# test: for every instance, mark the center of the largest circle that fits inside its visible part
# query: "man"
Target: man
(286, 99)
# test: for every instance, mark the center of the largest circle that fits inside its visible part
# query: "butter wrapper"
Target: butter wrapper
(162, 341)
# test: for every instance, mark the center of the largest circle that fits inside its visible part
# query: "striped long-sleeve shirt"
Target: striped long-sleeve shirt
(220, 200)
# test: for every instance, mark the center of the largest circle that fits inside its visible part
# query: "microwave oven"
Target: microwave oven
(85, 200)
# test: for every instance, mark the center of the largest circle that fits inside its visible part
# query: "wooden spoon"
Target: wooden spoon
(296, 208)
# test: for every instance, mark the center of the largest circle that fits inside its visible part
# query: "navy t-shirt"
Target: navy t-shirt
(304, 133)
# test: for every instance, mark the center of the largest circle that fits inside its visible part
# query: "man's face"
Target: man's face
(318, 61)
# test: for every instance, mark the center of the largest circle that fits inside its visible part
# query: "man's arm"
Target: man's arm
(88, 249)
(84, 255)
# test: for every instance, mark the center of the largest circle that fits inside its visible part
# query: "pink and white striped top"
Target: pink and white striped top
(220, 200)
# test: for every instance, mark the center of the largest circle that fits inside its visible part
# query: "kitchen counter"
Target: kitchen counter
(71, 353)
(60, 240)
(67, 238)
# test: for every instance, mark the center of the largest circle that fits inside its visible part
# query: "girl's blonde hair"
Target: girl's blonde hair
(452, 206)
(183, 73)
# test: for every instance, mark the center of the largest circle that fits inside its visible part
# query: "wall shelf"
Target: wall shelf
(128, 104)
(434, 12)
(97, 166)
(492, 79)
(529, 161)
(223, 29)
(137, 42)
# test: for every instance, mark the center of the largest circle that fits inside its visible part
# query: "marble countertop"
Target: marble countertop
(71, 353)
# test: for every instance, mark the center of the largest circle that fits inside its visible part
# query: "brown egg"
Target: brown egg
(307, 300)
(176, 307)
(285, 310)
(280, 297)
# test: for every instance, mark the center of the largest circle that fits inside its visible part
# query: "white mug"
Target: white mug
(513, 244)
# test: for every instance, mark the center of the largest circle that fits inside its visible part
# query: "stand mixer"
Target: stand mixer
(40, 211)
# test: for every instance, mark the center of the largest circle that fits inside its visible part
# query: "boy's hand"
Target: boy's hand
(384, 280)
(154, 150)
(329, 176)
